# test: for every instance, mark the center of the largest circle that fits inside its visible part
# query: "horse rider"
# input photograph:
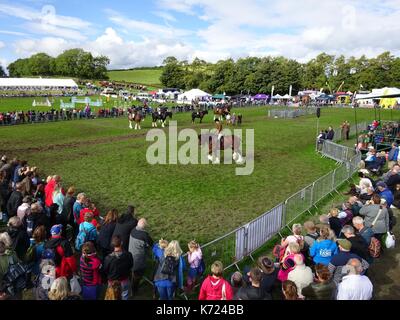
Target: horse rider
(218, 126)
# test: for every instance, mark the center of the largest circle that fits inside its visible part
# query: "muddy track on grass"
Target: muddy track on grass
(81, 143)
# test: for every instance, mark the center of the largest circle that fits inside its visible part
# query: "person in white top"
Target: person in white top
(301, 275)
(296, 237)
(365, 183)
(354, 286)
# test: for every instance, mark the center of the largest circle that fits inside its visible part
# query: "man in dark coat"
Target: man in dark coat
(125, 224)
(14, 201)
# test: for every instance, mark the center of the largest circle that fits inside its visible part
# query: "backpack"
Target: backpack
(17, 277)
(201, 268)
(85, 236)
(169, 266)
(374, 248)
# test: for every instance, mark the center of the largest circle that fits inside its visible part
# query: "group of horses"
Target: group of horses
(137, 116)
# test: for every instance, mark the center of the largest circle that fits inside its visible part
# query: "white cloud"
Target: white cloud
(47, 21)
(12, 33)
(161, 31)
(123, 54)
(165, 15)
(2, 45)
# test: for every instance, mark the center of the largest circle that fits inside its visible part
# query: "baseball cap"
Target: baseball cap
(55, 230)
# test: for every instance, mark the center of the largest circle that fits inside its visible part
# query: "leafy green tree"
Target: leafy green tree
(173, 74)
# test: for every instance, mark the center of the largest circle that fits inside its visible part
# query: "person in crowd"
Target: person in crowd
(393, 155)
(269, 281)
(362, 230)
(38, 218)
(331, 134)
(376, 217)
(5, 191)
(344, 255)
(35, 252)
(125, 224)
(288, 263)
(367, 196)
(215, 287)
(365, 182)
(114, 291)
(289, 290)
(237, 282)
(90, 266)
(139, 244)
(19, 237)
(295, 237)
(392, 177)
(354, 286)
(322, 288)
(49, 189)
(25, 208)
(78, 206)
(89, 206)
(6, 254)
(58, 198)
(195, 258)
(14, 201)
(169, 274)
(26, 182)
(68, 207)
(312, 234)
(254, 291)
(385, 193)
(87, 232)
(117, 266)
(396, 196)
(60, 250)
(334, 222)
(301, 275)
(106, 232)
(323, 249)
(59, 291)
(358, 244)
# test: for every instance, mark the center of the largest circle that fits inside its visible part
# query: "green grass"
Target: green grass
(149, 77)
(107, 161)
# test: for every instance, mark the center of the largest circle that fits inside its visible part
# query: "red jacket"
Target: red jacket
(66, 264)
(211, 289)
(48, 192)
(95, 212)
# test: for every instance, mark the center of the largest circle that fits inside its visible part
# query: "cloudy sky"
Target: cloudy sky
(143, 32)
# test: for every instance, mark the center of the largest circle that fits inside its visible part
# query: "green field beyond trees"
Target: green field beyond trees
(149, 77)
(108, 161)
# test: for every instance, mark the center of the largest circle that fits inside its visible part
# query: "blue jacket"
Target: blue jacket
(323, 251)
(393, 154)
(388, 196)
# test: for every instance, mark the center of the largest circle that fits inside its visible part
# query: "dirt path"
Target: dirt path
(384, 273)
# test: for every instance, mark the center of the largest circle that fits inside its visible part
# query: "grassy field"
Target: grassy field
(107, 161)
(150, 77)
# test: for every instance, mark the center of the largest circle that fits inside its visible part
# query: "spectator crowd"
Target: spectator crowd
(57, 245)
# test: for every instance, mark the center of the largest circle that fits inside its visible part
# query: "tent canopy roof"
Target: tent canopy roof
(193, 94)
(37, 82)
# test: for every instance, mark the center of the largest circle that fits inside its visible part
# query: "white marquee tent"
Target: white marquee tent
(193, 94)
(13, 83)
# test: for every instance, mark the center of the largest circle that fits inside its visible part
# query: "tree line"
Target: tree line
(258, 75)
(75, 63)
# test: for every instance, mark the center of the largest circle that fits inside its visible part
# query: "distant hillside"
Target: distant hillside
(149, 77)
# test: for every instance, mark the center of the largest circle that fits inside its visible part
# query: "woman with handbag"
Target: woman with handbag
(169, 274)
(376, 216)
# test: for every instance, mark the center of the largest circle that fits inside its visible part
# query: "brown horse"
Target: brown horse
(221, 112)
(137, 117)
(214, 145)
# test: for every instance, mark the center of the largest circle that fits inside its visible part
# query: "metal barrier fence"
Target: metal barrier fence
(360, 127)
(233, 247)
(290, 114)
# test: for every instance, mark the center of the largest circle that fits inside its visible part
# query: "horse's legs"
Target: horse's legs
(163, 124)
(130, 125)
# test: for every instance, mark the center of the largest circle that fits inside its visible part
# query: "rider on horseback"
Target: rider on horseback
(218, 126)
